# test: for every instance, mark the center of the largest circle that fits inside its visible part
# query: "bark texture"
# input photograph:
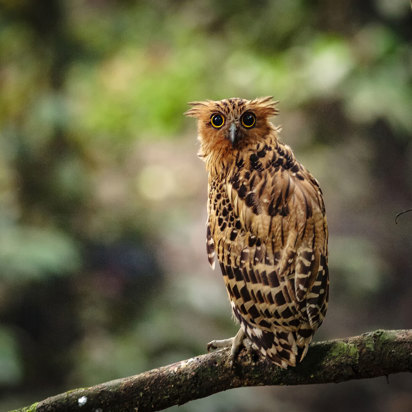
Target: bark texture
(369, 355)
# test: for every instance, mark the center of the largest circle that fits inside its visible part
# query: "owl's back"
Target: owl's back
(268, 227)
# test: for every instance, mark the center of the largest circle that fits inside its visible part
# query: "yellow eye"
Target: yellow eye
(217, 120)
(248, 120)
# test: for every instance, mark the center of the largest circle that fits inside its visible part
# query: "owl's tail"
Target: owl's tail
(283, 348)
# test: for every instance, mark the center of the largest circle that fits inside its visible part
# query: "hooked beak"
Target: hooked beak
(232, 133)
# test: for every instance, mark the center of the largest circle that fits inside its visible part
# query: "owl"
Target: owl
(266, 225)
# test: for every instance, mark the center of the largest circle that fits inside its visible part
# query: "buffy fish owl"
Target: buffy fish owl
(266, 225)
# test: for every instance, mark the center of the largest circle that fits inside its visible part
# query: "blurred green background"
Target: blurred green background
(103, 270)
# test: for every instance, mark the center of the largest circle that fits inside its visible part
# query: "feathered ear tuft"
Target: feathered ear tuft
(195, 110)
(266, 105)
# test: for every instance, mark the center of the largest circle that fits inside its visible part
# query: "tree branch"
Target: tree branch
(372, 354)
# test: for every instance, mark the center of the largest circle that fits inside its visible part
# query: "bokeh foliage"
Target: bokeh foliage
(102, 199)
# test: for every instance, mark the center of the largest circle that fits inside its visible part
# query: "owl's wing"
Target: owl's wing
(275, 258)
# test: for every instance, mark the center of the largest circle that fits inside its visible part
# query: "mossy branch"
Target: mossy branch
(372, 354)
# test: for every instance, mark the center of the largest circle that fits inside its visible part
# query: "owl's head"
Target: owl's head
(232, 124)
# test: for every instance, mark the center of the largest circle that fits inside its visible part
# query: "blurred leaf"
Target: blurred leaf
(383, 92)
(10, 368)
(361, 268)
(30, 253)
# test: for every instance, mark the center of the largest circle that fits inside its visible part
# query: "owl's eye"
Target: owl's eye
(217, 120)
(248, 120)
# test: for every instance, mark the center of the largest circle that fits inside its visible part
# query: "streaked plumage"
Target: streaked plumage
(267, 226)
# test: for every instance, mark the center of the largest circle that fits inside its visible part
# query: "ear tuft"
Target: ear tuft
(267, 105)
(195, 110)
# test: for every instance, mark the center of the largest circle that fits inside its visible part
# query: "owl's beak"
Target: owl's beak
(232, 133)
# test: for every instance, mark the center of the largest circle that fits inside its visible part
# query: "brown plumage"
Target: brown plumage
(267, 225)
